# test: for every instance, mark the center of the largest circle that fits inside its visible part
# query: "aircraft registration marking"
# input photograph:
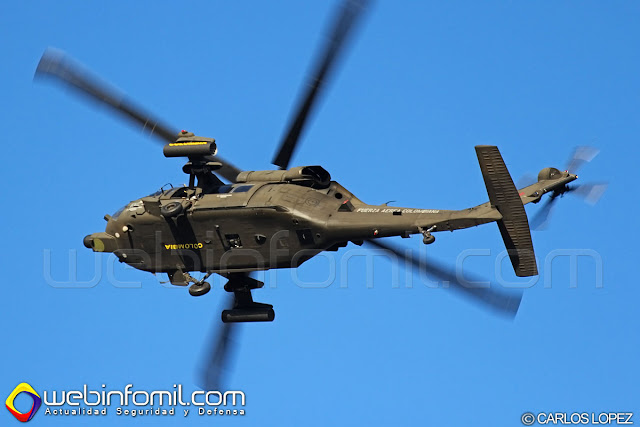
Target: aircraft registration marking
(404, 211)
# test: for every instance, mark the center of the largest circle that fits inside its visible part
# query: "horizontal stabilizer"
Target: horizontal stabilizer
(514, 225)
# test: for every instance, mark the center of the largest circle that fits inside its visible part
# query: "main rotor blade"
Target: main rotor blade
(228, 171)
(61, 67)
(500, 302)
(346, 16)
(219, 353)
(56, 64)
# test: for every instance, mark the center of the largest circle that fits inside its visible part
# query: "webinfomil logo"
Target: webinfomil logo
(23, 388)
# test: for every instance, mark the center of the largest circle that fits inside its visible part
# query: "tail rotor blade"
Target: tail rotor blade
(526, 180)
(540, 220)
(348, 14)
(499, 302)
(581, 155)
(591, 192)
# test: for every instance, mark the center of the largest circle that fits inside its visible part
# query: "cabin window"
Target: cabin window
(233, 241)
(222, 189)
(242, 189)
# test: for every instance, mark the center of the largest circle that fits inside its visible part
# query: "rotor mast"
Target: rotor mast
(200, 151)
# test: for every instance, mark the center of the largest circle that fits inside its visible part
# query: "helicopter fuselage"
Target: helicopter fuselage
(272, 221)
(258, 225)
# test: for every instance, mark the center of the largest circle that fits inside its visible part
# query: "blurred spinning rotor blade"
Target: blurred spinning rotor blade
(499, 302)
(526, 180)
(228, 171)
(591, 192)
(57, 65)
(540, 220)
(343, 24)
(581, 155)
(219, 352)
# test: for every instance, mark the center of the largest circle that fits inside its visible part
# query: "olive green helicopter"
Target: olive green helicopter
(232, 222)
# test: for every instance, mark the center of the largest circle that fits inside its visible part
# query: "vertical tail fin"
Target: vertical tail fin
(514, 225)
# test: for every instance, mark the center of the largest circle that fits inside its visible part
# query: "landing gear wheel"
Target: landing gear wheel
(199, 289)
(428, 239)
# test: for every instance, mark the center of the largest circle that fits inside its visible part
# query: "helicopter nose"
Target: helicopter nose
(100, 242)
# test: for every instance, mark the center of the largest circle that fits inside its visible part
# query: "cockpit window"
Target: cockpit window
(179, 193)
(118, 212)
(242, 189)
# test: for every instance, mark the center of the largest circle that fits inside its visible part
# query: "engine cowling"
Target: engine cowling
(311, 176)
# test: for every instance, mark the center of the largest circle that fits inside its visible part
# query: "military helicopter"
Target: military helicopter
(259, 220)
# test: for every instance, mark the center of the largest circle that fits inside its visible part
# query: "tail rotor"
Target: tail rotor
(589, 192)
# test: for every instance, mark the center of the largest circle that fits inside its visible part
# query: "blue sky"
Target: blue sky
(422, 83)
